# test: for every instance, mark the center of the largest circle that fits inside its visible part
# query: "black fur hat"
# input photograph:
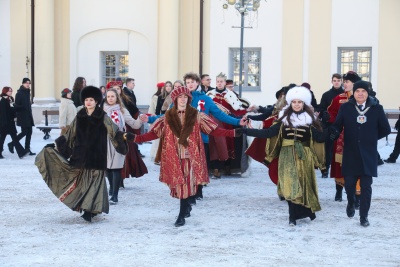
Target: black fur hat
(362, 84)
(91, 91)
(351, 76)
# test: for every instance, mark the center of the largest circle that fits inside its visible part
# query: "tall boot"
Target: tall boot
(110, 181)
(180, 221)
(292, 214)
(87, 216)
(357, 202)
(1, 155)
(116, 184)
(339, 190)
(191, 200)
(199, 193)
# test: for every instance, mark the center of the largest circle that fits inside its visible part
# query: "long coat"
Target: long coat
(361, 140)
(67, 112)
(7, 115)
(23, 107)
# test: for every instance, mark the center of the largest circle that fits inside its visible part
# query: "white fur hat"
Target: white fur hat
(299, 92)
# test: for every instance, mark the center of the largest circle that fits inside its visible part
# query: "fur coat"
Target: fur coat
(85, 143)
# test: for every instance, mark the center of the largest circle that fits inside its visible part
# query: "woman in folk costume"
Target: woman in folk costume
(75, 169)
(183, 163)
(291, 139)
(222, 149)
(336, 166)
(115, 161)
(134, 165)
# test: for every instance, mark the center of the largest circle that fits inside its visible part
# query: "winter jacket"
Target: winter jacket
(76, 98)
(361, 140)
(7, 115)
(67, 112)
(23, 107)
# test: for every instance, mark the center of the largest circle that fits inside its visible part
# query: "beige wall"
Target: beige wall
(20, 40)
(62, 55)
(389, 57)
(292, 41)
(189, 21)
(319, 65)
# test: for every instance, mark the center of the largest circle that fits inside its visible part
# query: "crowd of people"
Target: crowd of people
(198, 132)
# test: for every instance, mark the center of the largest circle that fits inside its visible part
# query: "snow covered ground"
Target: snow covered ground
(240, 222)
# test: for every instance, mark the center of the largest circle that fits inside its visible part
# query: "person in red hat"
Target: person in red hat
(183, 164)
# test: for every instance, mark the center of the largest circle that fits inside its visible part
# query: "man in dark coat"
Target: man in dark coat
(23, 106)
(326, 101)
(206, 83)
(131, 106)
(365, 123)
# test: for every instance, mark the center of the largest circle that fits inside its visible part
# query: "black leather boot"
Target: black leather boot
(292, 214)
(191, 200)
(364, 221)
(350, 210)
(180, 221)
(339, 190)
(357, 202)
(87, 216)
(1, 155)
(199, 193)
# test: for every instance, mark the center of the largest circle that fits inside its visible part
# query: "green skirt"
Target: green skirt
(297, 180)
(79, 189)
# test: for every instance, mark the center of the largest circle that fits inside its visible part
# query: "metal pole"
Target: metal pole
(241, 52)
(32, 50)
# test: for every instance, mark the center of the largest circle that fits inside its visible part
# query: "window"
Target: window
(251, 68)
(114, 65)
(356, 59)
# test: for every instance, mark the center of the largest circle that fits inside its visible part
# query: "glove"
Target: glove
(238, 132)
(397, 125)
(130, 137)
(325, 116)
(52, 145)
(333, 133)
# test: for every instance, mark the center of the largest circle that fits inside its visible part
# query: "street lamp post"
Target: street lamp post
(243, 7)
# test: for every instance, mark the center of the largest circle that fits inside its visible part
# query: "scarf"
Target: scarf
(300, 119)
(115, 113)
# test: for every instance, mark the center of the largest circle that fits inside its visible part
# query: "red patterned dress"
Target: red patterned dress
(183, 162)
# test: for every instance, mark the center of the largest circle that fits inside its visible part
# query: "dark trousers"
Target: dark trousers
(396, 151)
(207, 152)
(328, 152)
(366, 192)
(20, 150)
(27, 133)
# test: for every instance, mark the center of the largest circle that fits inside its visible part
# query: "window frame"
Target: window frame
(103, 66)
(231, 75)
(356, 64)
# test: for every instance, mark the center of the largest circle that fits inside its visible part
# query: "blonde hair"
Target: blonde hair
(222, 75)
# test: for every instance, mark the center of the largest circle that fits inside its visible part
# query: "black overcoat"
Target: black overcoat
(7, 115)
(361, 140)
(23, 107)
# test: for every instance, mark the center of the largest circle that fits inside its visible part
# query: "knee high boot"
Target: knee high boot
(116, 184)
(109, 174)
(339, 190)
(180, 221)
(292, 214)
(199, 193)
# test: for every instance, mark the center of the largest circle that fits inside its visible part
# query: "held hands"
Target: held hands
(333, 133)
(129, 137)
(244, 121)
(143, 118)
(252, 108)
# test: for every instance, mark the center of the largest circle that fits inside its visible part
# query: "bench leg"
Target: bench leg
(46, 133)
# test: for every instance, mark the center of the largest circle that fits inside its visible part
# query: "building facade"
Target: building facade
(290, 41)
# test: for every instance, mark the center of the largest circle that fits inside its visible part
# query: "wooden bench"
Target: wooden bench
(46, 128)
(391, 115)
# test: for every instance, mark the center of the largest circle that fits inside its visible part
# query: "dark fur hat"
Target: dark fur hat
(362, 84)
(351, 76)
(91, 91)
